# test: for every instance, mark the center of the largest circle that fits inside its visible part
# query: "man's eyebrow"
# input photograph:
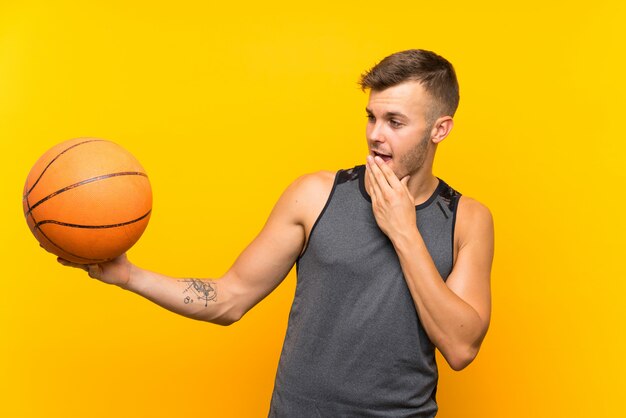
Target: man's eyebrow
(395, 114)
(388, 115)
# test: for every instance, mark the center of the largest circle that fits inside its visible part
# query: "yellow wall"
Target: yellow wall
(226, 105)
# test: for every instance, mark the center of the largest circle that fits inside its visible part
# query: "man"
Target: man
(391, 263)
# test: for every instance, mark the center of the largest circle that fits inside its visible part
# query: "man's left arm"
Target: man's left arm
(454, 313)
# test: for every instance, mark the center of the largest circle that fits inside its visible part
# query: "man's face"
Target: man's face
(398, 129)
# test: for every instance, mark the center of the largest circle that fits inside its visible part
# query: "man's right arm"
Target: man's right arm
(257, 271)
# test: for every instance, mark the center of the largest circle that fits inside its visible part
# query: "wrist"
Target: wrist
(407, 239)
(127, 284)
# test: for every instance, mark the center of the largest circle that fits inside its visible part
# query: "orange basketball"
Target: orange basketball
(87, 200)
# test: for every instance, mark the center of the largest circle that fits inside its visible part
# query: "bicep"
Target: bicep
(470, 278)
(265, 262)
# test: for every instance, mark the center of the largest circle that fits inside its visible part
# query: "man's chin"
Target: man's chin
(399, 172)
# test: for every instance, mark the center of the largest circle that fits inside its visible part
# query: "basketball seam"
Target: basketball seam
(64, 250)
(80, 183)
(54, 159)
(52, 221)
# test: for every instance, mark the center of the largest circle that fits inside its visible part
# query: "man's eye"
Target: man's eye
(370, 118)
(395, 123)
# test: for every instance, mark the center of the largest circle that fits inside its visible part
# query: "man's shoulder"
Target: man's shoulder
(473, 206)
(473, 218)
(307, 191)
(314, 184)
(307, 194)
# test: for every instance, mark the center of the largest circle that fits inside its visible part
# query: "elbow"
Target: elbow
(460, 364)
(462, 358)
(462, 353)
(226, 311)
(225, 317)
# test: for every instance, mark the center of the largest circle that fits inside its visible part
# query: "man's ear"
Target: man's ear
(441, 128)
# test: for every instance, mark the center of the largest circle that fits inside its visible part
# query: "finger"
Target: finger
(75, 265)
(369, 184)
(377, 192)
(374, 170)
(379, 175)
(390, 176)
(404, 182)
(94, 270)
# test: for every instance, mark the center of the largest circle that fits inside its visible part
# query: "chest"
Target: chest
(347, 238)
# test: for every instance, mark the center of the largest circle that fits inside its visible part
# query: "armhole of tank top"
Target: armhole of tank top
(330, 196)
(456, 208)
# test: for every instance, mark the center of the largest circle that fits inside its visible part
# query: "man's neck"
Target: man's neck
(422, 186)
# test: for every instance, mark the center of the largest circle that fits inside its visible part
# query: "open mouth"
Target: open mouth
(385, 157)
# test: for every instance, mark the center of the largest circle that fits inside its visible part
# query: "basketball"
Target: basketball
(87, 200)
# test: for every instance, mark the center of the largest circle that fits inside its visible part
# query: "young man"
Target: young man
(391, 263)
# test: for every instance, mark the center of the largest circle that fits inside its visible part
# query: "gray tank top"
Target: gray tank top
(355, 346)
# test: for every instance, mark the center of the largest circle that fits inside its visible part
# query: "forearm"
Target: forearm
(453, 326)
(201, 299)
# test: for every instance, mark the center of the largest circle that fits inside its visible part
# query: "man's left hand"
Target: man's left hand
(392, 203)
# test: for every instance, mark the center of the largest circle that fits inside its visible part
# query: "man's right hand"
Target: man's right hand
(116, 271)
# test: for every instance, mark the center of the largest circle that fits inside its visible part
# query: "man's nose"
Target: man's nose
(376, 134)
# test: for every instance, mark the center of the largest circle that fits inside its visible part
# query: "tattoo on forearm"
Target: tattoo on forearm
(203, 290)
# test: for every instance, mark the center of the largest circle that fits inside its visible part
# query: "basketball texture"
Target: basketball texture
(87, 200)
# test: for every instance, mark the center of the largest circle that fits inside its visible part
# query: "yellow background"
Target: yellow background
(225, 104)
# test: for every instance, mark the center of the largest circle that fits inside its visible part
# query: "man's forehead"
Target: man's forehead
(400, 98)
